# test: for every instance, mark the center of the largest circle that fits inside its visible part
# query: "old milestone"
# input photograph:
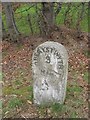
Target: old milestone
(50, 69)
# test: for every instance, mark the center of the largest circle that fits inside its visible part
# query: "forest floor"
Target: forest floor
(17, 78)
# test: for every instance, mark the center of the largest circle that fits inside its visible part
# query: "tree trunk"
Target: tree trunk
(4, 34)
(47, 18)
(80, 17)
(12, 29)
(0, 28)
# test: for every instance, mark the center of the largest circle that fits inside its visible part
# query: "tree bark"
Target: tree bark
(4, 34)
(80, 17)
(47, 18)
(12, 29)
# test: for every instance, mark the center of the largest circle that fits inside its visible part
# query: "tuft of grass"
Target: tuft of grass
(73, 114)
(15, 102)
(79, 102)
(30, 97)
(0, 104)
(0, 76)
(73, 89)
(5, 109)
(30, 88)
(86, 76)
(22, 91)
(57, 107)
(7, 90)
(18, 82)
(4, 53)
(87, 53)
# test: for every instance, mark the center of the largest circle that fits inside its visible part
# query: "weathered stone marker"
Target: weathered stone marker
(50, 68)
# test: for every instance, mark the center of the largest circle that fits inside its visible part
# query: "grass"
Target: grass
(23, 26)
(7, 90)
(22, 23)
(18, 82)
(0, 104)
(0, 76)
(20, 97)
(73, 115)
(15, 102)
(73, 92)
(73, 16)
(24, 93)
(86, 76)
(73, 89)
(87, 53)
(4, 53)
(56, 107)
(30, 97)
(24, 90)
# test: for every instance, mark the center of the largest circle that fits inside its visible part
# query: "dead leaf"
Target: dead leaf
(29, 102)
